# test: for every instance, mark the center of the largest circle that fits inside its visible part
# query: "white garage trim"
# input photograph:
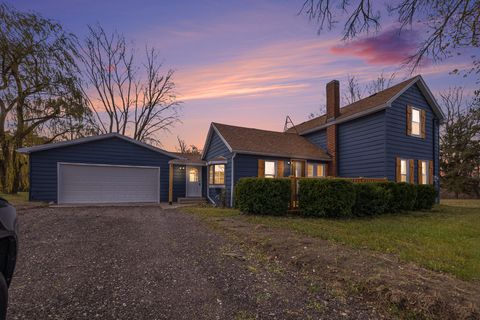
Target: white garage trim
(59, 181)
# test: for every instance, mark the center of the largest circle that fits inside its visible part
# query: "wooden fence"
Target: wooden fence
(295, 186)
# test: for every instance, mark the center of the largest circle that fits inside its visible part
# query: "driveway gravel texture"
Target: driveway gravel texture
(149, 263)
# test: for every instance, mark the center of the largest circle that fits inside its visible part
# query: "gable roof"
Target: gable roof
(373, 103)
(187, 159)
(62, 144)
(267, 143)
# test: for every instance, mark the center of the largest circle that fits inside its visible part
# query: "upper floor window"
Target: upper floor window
(416, 119)
(216, 174)
(415, 122)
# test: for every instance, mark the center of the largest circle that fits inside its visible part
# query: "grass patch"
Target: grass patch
(445, 239)
(16, 199)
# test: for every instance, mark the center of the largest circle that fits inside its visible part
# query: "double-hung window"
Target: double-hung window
(415, 122)
(216, 175)
(423, 172)
(404, 170)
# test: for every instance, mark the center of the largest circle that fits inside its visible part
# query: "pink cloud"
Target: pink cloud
(387, 48)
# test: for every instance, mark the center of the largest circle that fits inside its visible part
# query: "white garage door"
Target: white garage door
(92, 183)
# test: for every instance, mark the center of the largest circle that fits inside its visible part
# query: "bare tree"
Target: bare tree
(39, 85)
(353, 92)
(381, 83)
(133, 100)
(450, 25)
(185, 149)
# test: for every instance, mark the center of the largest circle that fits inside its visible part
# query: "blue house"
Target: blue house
(392, 134)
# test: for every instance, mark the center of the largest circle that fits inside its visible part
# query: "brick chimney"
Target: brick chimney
(333, 111)
(333, 99)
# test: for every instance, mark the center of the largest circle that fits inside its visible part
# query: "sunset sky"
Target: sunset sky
(247, 63)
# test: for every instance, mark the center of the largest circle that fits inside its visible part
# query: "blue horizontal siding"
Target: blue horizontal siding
(115, 151)
(361, 147)
(217, 148)
(247, 165)
(402, 145)
(179, 182)
(318, 138)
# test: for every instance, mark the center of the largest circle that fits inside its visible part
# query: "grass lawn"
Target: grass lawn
(446, 239)
(16, 199)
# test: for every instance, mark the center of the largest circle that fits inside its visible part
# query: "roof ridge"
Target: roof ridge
(249, 128)
(403, 83)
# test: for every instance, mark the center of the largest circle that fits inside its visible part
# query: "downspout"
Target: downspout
(232, 179)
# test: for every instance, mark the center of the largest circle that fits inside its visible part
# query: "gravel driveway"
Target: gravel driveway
(148, 263)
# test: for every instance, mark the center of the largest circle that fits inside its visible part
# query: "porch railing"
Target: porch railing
(295, 186)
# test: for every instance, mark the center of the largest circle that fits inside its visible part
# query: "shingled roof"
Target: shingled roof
(372, 103)
(268, 143)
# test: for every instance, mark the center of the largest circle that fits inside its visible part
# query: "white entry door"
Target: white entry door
(194, 181)
(98, 183)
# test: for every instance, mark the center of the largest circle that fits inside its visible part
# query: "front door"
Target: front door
(194, 181)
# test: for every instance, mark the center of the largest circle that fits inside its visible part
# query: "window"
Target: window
(415, 122)
(423, 172)
(316, 170)
(403, 170)
(193, 175)
(270, 168)
(216, 174)
(310, 172)
(321, 170)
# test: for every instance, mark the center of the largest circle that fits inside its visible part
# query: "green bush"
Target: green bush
(425, 197)
(394, 199)
(402, 197)
(326, 197)
(371, 199)
(263, 195)
(407, 196)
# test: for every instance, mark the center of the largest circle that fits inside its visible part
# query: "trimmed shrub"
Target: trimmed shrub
(371, 199)
(394, 199)
(403, 196)
(263, 195)
(326, 197)
(407, 196)
(426, 195)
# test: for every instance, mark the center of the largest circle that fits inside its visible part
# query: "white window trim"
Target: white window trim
(315, 169)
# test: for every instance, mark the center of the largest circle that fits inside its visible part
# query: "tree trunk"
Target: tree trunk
(4, 165)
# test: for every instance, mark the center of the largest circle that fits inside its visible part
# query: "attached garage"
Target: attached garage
(109, 168)
(100, 183)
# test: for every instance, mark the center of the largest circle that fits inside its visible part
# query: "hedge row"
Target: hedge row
(331, 197)
(343, 198)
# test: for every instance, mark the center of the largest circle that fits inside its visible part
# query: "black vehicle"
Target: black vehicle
(8, 251)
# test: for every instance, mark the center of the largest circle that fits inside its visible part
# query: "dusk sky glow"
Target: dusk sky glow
(247, 63)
